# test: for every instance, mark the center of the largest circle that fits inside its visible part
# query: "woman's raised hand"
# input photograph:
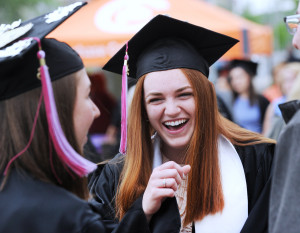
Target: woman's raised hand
(163, 183)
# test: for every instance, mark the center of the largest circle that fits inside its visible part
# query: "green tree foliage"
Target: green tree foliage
(282, 39)
(12, 10)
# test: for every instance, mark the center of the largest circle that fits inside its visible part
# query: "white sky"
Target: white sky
(264, 6)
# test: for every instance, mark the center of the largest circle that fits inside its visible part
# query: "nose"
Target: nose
(96, 110)
(172, 108)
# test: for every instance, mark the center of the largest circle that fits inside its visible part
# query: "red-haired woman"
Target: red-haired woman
(186, 168)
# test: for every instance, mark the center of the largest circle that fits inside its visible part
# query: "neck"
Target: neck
(174, 154)
(245, 95)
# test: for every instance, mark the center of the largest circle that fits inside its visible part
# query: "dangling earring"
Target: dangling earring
(154, 135)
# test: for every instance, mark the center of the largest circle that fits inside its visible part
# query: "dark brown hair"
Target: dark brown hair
(204, 192)
(16, 121)
(253, 96)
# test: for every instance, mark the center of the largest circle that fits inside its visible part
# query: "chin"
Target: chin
(178, 143)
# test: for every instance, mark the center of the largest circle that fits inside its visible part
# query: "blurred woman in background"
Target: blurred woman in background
(248, 107)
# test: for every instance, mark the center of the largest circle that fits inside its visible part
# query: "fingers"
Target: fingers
(168, 183)
(163, 193)
(172, 170)
(168, 173)
(185, 169)
(163, 182)
(153, 197)
(169, 164)
(172, 165)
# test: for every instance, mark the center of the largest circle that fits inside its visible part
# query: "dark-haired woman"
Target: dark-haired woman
(249, 107)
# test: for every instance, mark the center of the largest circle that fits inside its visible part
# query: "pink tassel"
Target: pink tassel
(51, 162)
(67, 154)
(123, 142)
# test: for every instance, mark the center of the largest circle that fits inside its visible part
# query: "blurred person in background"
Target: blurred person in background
(248, 106)
(111, 141)
(223, 90)
(284, 201)
(95, 148)
(273, 122)
(104, 100)
(273, 91)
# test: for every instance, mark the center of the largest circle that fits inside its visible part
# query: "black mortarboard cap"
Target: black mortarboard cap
(247, 65)
(167, 43)
(18, 55)
(288, 109)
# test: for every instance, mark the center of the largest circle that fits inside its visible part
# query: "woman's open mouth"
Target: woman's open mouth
(175, 125)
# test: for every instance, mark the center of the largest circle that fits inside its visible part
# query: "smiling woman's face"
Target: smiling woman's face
(170, 106)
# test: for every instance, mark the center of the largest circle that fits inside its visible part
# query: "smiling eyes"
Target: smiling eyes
(186, 94)
(154, 100)
(183, 96)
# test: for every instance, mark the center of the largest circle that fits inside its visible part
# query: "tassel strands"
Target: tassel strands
(78, 164)
(123, 141)
(67, 154)
(65, 151)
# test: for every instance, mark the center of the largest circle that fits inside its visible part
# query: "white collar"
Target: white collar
(235, 212)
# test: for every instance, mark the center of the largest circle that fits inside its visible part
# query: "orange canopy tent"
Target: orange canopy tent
(99, 29)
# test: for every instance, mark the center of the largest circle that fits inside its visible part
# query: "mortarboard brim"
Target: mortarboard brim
(18, 60)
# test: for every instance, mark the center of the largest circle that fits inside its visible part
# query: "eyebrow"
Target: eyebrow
(159, 93)
(183, 88)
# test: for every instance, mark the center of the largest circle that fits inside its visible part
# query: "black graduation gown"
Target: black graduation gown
(30, 205)
(257, 163)
(284, 200)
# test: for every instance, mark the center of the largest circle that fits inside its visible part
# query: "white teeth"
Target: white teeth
(175, 123)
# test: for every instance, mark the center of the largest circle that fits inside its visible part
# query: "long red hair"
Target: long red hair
(204, 192)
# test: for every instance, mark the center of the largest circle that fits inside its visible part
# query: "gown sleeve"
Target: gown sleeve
(257, 163)
(103, 185)
(285, 201)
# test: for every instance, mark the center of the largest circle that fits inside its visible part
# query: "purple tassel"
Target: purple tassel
(123, 142)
